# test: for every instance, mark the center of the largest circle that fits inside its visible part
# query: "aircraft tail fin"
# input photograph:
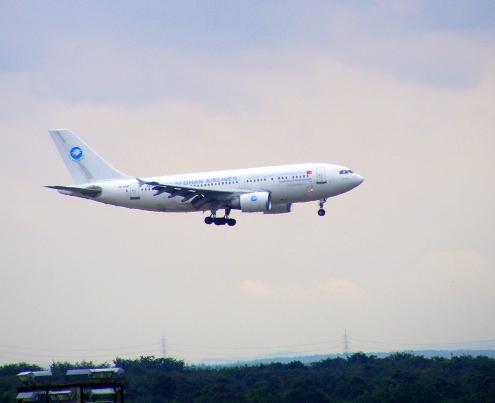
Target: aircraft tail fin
(83, 163)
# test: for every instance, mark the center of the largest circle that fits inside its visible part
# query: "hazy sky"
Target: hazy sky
(403, 92)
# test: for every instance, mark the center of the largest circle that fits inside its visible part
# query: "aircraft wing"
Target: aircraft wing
(199, 197)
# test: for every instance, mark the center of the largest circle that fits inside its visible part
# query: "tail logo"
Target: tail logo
(76, 153)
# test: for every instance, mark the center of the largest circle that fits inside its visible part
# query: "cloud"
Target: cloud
(334, 287)
(338, 287)
(407, 105)
(256, 289)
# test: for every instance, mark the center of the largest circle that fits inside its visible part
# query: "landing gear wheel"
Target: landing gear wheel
(219, 221)
(208, 220)
(321, 211)
(231, 222)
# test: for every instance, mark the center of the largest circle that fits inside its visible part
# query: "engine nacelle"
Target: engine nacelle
(280, 208)
(256, 202)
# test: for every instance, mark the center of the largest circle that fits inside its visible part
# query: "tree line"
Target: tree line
(358, 378)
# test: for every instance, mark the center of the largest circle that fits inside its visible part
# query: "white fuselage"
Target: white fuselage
(287, 184)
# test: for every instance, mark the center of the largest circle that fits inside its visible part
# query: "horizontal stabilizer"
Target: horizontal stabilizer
(91, 191)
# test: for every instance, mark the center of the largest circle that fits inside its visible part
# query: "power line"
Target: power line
(252, 347)
(182, 350)
(193, 349)
(81, 356)
(78, 349)
(203, 354)
(424, 344)
(197, 346)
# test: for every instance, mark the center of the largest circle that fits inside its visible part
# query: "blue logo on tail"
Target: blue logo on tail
(76, 153)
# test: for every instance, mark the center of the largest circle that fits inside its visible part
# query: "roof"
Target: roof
(102, 392)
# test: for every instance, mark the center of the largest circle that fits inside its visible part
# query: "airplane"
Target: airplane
(268, 190)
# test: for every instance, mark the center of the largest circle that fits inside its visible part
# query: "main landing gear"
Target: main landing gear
(321, 211)
(213, 219)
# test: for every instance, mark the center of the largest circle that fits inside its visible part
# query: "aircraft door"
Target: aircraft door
(321, 176)
(242, 181)
(134, 191)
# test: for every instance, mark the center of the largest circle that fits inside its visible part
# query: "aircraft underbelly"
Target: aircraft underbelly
(173, 204)
(290, 193)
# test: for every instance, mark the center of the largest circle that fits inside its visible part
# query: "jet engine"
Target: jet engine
(280, 208)
(256, 202)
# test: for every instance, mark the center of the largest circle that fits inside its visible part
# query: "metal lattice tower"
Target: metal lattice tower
(345, 340)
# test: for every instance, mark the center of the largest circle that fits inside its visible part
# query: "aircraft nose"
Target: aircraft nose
(358, 179)
(350, 179)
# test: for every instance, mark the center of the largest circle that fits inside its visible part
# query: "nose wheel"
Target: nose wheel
(225, 220)
(321, 211)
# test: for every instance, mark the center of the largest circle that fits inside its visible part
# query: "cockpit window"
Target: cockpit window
(345, 172)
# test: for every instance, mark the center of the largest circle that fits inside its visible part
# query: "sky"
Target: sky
(400, 91)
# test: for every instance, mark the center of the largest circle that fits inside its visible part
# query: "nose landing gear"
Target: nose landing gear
(213, 219)
(321, 211)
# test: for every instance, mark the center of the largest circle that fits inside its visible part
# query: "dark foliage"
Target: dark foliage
(8, 380)
(360, 378)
